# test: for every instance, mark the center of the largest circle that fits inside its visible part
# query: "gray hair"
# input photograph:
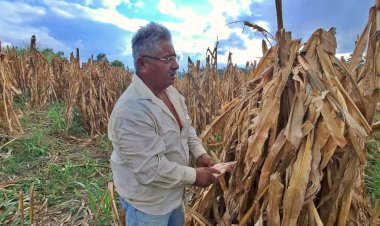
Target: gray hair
(147, 40)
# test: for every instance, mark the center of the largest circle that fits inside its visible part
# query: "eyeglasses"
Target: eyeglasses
(166, 60)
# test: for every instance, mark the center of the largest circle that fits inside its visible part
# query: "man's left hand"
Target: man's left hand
(205, 161)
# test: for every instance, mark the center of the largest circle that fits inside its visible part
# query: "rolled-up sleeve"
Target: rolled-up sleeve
(143, 149)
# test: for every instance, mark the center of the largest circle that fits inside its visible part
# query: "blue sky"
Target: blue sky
(106, 26)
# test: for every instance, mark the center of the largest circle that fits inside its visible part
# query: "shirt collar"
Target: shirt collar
(143, 91)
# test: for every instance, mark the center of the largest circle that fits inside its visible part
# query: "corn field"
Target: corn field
(206, 91)
(296, 123)
(93, 87)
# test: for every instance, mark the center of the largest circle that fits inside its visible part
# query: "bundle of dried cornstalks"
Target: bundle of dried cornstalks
(298, 133)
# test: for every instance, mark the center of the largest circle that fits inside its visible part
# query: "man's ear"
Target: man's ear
(142, 65)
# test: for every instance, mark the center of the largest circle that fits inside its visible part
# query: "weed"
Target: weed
(105, 143)
(55, 114)
(25, 153)
(9, 207)
(59, 123)
(76, 128)
(99, 201)
(67, 169)
(36, 151)
(36, 146)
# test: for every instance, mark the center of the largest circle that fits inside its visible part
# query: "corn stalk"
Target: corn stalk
(298, 132)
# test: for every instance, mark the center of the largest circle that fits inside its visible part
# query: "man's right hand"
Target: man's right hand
(205, 176)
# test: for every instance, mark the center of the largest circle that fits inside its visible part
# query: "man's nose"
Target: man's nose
(174, 65)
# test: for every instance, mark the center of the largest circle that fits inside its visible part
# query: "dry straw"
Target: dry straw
(298, 132)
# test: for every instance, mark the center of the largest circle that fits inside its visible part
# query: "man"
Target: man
(152, 137)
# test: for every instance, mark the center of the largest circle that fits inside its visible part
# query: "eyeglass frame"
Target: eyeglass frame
(165, 60)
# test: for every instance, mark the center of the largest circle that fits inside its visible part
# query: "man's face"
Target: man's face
(160, 74)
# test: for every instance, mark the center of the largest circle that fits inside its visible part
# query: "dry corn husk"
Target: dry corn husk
(298, 132)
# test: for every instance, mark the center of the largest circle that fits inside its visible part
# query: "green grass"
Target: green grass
(72, 178)
(372, 171)
(60, 125)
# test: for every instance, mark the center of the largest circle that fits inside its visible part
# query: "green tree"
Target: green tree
(117, 63)
(60, 54)
(101, 57)
(49, 53)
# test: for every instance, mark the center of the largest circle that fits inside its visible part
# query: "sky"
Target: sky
(107, 26)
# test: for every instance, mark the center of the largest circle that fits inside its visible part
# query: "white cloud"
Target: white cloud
(229, 8)
(252, 53)
(193, 33)
(22, 36)
(115, 18)
(139, 4)
(12, 12)
(108, 15)
(88, 2)
(16, 27)
(263, 24)
(193, 37)
(5, 44)
(112, 4)
(345, 55)
(167, 7)
(127, 46)
(62, 12)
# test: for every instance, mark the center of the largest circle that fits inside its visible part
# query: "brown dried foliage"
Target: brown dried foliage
(8, 114)
(206, 90)
(92, 88)
(298, 132)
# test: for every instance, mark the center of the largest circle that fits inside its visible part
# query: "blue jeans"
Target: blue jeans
(135, 217)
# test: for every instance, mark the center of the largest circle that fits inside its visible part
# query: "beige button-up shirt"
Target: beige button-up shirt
(150, 155)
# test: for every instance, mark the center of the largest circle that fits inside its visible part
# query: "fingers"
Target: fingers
(225, 166)
(205, 161)
(212, 170)
(205, 177)
(211, 163)
(209, 175)
(212, 174)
